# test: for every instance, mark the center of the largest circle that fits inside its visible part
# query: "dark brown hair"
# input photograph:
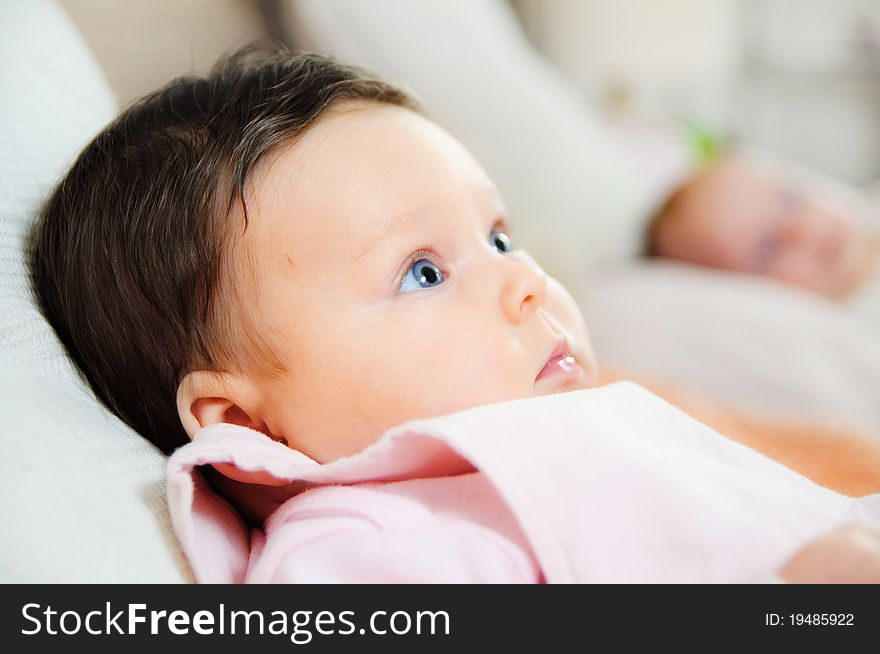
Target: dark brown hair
(661, 218)
(130, 253)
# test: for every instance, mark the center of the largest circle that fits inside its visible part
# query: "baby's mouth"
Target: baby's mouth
(560, 362)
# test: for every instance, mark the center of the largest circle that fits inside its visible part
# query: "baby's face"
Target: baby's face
(386, 286)
(744, 217)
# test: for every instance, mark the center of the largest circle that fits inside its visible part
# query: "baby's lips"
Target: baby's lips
(560, 362)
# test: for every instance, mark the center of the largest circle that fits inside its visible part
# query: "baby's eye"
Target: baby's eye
(767, 251)
(500, 241)
(421, 274)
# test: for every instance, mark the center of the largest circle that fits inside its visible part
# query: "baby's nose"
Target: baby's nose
(524, 291)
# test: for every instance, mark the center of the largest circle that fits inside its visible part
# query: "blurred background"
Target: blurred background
(776, 73)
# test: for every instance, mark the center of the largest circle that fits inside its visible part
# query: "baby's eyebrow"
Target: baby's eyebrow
(394, 225)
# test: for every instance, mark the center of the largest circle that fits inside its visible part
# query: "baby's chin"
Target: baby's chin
(565, 388)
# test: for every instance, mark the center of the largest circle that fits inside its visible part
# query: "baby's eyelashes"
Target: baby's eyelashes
(423, 273)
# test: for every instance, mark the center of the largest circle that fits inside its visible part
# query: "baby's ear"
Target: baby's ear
(207, 397)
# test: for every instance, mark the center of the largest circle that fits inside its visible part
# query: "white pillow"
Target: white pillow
(750, 342)
(82, 497)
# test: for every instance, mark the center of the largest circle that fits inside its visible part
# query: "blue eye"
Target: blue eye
(500, 241)
(421, 274)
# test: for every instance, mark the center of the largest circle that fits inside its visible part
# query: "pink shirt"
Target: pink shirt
(603, 485)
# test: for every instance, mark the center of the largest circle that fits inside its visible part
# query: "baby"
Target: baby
(749, 215)
(290, 247)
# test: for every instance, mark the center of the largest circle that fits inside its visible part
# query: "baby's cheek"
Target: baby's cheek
(472, 366)
(563, 306)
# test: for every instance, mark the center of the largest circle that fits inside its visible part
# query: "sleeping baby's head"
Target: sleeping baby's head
(769, 218)
(289, 245)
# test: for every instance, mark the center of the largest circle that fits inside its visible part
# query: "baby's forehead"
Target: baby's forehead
(360, 174)
(733, 188)
(373, 160)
